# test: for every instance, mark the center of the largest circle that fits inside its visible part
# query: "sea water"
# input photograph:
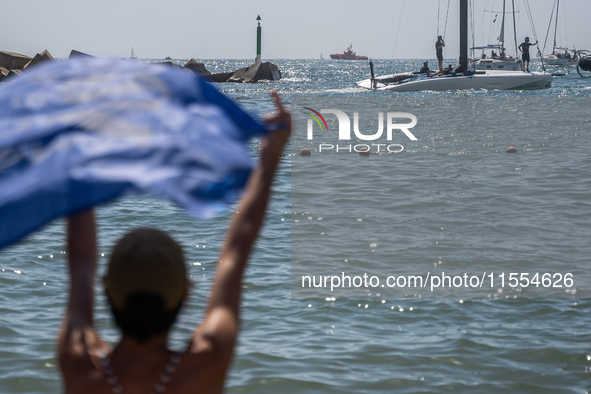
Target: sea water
(460, 191)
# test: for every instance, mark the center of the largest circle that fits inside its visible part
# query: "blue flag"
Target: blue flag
(78, 133)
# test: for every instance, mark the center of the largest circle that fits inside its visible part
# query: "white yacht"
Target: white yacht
(561, 56)
(498, 60)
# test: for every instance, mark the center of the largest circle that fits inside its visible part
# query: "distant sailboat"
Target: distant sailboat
(321, 57)
(499, 61)
(133, 56)
(557, 57)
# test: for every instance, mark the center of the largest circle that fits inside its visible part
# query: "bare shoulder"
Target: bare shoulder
(206, 352)
(201, 365)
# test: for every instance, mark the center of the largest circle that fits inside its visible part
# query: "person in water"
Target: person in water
(439, 44)
(146, 285)
(425, 68)
(524, 48)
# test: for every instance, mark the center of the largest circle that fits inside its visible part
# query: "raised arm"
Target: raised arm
(220, 326)
(81, 253)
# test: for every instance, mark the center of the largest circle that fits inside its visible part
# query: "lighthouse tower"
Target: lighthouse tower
(258, 59)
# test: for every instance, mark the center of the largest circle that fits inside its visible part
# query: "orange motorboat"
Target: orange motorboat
(348, 55)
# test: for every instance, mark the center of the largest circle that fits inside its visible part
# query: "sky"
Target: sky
(226, 29)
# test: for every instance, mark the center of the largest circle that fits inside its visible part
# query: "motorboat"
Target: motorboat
(348, 54)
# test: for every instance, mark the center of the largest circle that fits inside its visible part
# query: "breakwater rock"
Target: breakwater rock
(197, 68)
(253, 73)
(12, 64)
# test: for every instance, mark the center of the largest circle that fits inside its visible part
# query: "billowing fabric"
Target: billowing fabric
(78, 133)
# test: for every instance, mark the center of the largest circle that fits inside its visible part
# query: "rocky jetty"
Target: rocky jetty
(197, 68)
(219, 77)
(12, 64)
(75, 53)
(15, 63)
(253, 73)
(40, 58)
(256, 72)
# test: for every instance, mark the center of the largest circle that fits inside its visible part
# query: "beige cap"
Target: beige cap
(146, 261)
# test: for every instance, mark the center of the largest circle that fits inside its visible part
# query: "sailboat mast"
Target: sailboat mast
(515, 29)
(556, 26)
(503, 27)
(464, 34)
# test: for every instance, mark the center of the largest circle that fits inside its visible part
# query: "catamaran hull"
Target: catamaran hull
(500, 80)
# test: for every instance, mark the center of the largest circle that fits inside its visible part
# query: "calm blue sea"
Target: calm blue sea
(461, 190)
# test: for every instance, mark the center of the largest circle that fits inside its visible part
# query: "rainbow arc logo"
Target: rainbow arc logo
(316, 118)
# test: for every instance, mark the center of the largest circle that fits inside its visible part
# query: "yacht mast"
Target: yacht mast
(515, 29)
(556, 26)
(464, 34)
(502, 37)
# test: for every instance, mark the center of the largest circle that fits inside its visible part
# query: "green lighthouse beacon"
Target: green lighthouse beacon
(258, 59)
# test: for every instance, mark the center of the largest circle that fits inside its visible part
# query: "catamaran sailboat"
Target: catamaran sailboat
(480, 79)
(462, 78)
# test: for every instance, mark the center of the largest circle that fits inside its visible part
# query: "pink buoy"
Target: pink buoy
(364, 152)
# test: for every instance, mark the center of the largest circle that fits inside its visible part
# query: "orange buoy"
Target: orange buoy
(364, 152)
(305, 152)
(511, 149)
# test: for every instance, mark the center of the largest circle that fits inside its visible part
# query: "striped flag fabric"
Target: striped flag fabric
(81, 132)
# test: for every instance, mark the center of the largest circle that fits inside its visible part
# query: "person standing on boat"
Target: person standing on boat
(439, 50)
(524, 48)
